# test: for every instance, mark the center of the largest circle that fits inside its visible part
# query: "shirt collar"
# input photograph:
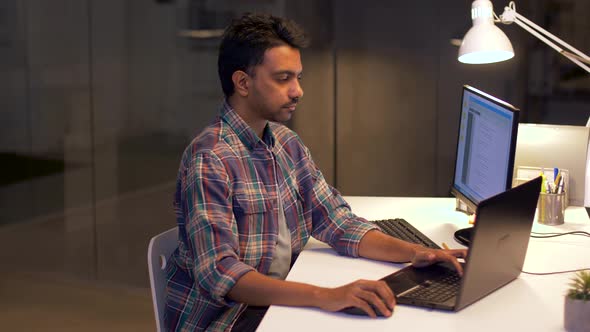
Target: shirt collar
(245, 133)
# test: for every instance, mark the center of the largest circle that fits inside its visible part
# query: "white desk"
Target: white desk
(529, 303)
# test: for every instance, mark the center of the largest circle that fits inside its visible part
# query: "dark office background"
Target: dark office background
(99, 98)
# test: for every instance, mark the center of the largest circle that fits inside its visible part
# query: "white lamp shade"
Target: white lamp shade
(485, 43)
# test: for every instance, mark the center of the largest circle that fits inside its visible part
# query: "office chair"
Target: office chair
(160, 248)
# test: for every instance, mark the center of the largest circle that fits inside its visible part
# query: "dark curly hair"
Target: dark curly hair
(247, 38)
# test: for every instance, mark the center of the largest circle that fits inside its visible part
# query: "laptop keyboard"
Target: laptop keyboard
(436, 291)
(403, 230)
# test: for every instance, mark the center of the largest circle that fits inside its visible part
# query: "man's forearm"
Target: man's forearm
(378, 246)
(256, 289)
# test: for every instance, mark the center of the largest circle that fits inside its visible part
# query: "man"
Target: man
(249, 196)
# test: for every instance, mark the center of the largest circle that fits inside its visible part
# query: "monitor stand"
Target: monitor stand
(463, 236)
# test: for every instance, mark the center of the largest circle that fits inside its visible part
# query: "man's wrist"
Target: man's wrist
(414, 249)
(318, 295)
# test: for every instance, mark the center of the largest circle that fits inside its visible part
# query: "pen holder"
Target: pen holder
(551, 209)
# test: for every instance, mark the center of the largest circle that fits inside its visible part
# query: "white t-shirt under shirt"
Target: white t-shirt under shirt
(281, 259)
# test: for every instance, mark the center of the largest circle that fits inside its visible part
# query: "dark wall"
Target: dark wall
(388, 114)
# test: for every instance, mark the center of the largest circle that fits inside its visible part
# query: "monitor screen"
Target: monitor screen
(486, 145)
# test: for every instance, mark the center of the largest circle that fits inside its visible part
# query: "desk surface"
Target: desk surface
(528, 303)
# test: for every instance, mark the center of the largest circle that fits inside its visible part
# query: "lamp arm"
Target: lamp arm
(576, 56)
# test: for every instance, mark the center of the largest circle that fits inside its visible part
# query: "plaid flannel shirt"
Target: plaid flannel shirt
(226, 207)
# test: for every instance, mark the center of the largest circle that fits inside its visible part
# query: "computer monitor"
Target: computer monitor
(486, 145)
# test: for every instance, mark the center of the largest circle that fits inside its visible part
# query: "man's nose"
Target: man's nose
(296, 91)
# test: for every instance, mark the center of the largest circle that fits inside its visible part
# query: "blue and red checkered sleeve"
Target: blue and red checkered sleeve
(211, 227)
(333, 221)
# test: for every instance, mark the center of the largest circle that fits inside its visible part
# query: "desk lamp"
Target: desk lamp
(486, 43)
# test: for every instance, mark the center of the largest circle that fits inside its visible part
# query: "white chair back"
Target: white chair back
(159, 250)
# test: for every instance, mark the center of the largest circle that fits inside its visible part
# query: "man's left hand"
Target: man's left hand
(426, 256)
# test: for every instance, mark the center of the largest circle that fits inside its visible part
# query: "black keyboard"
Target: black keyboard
(436, 291)
(403, 230)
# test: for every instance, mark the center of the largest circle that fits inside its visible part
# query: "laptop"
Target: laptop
(495, 258)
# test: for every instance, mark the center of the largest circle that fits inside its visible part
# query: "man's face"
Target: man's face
(276, 89)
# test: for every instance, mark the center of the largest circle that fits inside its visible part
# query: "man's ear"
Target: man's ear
(241, 82)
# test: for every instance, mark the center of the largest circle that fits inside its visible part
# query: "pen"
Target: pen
(445, 246)
(555, 173)
(548, 187)
(560, 186)
(557, 179)
(551, 188)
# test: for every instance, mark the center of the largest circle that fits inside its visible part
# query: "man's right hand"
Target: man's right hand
(363, 294)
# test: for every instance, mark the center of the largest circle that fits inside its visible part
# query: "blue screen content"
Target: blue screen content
(484, 148)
